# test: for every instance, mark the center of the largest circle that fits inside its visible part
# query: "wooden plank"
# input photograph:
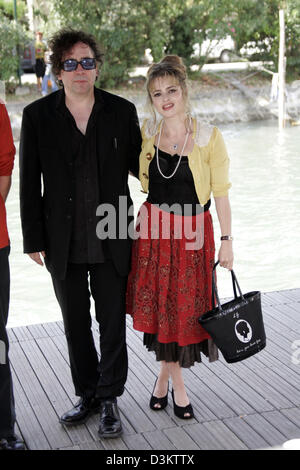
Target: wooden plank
(289, 313)
(59, 366)
(292, 295)
(37, 331)
(281, 422)
(61, 345)
(279, 320)
(281, 349)
(224, 435)
(53, 329)
(286, 314)
(27, 422)
(61, 326)
(56, 393)
(263, 386)
(158, 440)
(286, 389)
(283, 372)
(114, 444)
(229, 396)
(247, 391)
(92, 445)
(272, 322)
(12, 338)
(246, 433)
(282, 340)
(136, 442)
(274, 297)
(137, 417)
(48, 380)
(22, 333)
(180, 439)
(38, 399)
(272, 435)
(77, 447)
(293, 414)
(214, 435)
(267, 360)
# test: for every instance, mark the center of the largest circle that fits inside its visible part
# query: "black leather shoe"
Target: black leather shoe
(11, 443)
(110, 422)
(81, 412)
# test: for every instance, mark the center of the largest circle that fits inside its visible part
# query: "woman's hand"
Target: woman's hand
(225, 256)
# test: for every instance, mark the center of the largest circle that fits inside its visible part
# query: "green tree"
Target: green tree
(196, 21)
(258, 23)
(114, 24)
(125, 28)
(12, 37)
(7, 10)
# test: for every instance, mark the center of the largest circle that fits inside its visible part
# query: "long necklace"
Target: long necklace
(181, 153)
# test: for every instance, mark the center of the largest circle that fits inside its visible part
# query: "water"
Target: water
(265, 200)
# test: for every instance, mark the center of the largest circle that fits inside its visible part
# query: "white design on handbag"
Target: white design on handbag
(243, 331)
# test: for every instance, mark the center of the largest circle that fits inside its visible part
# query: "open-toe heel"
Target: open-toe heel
(163, 401)
(181, 411)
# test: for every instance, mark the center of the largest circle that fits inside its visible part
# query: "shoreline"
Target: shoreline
(211, 101)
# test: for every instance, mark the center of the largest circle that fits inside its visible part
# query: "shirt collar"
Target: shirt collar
(61, 99)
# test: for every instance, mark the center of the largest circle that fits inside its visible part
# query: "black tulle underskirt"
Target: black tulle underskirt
(185, 355)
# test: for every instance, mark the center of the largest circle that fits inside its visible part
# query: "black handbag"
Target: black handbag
(237, 326)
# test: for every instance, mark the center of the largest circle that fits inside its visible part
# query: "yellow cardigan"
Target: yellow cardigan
(208, 161)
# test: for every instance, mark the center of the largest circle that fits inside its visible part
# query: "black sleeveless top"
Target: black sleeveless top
(180, 189)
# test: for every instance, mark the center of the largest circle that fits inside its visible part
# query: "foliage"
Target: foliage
(7, 10)
(12, 36)
(114, 24)
(197, 21)
(258, 23)
(125, 28)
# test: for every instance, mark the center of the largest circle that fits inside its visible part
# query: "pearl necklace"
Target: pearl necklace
(182, 150)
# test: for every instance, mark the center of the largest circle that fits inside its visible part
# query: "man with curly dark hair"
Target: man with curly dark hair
(82, 155)
(64, 40)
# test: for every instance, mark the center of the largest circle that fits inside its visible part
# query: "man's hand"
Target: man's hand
(37, 258)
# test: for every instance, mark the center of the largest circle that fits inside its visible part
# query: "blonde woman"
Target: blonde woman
(182, 162)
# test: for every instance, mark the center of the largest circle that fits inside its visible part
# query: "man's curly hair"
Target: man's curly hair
(64, 40)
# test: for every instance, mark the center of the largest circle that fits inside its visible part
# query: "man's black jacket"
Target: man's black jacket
(47, 179)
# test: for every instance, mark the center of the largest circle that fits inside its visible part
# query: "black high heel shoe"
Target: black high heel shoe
(163, 401)
(180, 411)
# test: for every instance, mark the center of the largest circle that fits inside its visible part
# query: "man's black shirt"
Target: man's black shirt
(85, 246)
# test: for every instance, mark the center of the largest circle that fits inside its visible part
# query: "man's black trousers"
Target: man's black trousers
(7, 406)
(91, 377)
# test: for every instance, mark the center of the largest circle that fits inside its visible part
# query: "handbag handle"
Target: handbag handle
(215, 290)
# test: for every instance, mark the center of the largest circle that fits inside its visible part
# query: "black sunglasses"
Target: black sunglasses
(88, 63)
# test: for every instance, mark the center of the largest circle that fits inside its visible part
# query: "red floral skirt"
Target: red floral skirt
(169, 285)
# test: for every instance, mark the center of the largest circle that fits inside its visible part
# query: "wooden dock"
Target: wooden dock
(253, 404)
